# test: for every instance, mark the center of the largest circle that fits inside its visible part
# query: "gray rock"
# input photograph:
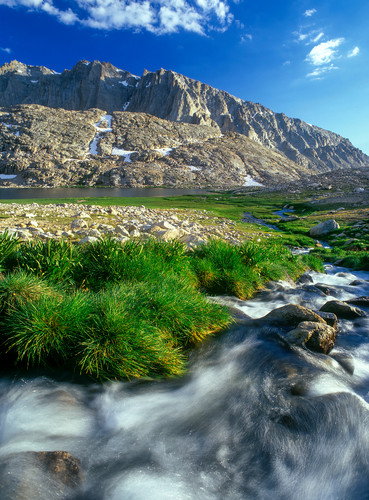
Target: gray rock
(78, 224)
(292, 315)
(88, 239)
(324, 228)
(343, 310)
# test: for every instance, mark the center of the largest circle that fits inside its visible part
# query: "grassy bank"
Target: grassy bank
(115, 311)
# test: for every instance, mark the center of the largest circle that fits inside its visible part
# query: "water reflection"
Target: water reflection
(22, 193)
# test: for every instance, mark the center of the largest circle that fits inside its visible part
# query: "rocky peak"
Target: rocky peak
(175, 97)
(18, 68)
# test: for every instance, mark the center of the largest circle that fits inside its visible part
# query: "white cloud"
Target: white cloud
(318, 37)
(309, 37)
(320, 72)
(6, 49)
(309, 12)
(159, 16)
(324, 53)
(246, 37)
(354, 52)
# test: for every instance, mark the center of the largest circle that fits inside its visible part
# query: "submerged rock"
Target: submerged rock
(39, 475)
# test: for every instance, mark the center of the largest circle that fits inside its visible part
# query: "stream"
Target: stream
(253, 419)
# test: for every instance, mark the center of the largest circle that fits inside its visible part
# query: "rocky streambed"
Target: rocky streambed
(260, 415)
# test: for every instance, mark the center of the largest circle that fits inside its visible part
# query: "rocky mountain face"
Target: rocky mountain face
(180, 100)
(43, 146)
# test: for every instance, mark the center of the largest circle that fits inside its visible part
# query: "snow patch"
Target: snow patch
(126, 106)
(193, 169)
(34, 81)
(124, 83)
(249, 181)
(5, 176)
(100, 130)
(137, 77)
(148, 85)
(164, 151)
(123, 152)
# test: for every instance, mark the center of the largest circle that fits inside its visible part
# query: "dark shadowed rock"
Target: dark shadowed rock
(304, 279)
(326, 289)
(317, 337)
(358, 283)
(343, 310)
(359, 301)
(45, 475)
(330, 318)
(291, 315)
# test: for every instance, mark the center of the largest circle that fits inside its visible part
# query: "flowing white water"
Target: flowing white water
(254, 419)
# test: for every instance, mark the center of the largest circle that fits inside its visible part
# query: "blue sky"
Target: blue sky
(305, 58)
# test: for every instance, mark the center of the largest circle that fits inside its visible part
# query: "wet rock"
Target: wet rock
(330, 318)
(343, 310)
(292, 315)
(324, 228)
(346, 360)
(359, 301)
(317, 337)
(358, 283)
(304, 279)
(313, 289)
(44, 475)
(327, 290)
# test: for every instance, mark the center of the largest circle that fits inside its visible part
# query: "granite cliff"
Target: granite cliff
(43, 146)
(272, 137)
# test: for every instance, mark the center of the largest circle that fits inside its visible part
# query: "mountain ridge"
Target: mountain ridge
(174, 97)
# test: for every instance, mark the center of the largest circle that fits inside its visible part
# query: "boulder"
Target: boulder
(78, 224)
(292, 315)
(343, 310)
(317, 337)
(88, 239)
(324, 228)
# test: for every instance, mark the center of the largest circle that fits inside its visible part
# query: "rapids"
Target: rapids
(253, 419)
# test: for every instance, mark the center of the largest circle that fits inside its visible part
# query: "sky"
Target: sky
(306, 58)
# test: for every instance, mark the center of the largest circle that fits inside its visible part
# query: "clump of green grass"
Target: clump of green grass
(108, 262)
(117, 345)
(225, 269)
(358, 260)
(57, 261)
(44, 332)
(8, 249)
(18, 288)
(220, 270)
